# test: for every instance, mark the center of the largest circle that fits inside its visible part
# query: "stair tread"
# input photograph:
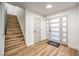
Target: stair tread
(13, 29)
(16, 49)
(13, 33)
(14, 44)
(12, 23)
(8, 43)
(15, 39)
(13, 47)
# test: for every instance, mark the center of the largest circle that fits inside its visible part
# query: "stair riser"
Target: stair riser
(14, 33)
(12, 22)
(13, 26)
(13, 37)
(13, 29)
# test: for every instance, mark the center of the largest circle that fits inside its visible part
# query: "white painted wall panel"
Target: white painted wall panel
(2, 28)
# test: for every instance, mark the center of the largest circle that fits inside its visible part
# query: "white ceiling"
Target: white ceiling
(40, 7)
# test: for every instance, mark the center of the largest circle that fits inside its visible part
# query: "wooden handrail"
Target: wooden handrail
(5, 20)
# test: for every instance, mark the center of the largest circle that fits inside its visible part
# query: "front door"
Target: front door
(57, 29)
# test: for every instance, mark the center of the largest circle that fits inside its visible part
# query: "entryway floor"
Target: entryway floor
(43, 49)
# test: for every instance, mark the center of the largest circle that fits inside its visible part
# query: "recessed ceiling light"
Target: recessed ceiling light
(49, 6)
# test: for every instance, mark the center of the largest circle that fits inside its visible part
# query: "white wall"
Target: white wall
(11, 9)
(2, 28)
(73, 32)
(78, 28)
(19, 12)
(30, 27)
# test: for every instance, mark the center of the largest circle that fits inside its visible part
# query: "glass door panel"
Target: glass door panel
(55, 29)
(64, 24)
(64, 29)
(55, 20)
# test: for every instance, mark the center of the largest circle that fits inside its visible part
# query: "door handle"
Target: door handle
(34, 31)
(49, 30)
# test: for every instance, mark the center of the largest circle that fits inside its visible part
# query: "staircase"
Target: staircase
(14, 37)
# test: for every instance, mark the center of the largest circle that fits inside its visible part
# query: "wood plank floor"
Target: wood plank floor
(42, 49)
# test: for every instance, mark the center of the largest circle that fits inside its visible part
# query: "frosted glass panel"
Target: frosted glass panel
(64, 35)
(64, 18)
(55, 33)
(56, 24)
(64, 24)
(55, 20)
(54, 38)
(64, 29)
(55, 29)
